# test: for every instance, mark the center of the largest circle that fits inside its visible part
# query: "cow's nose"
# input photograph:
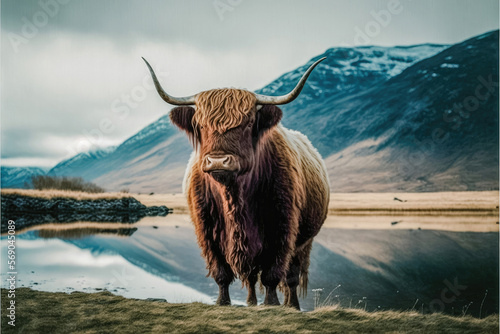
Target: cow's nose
(223, 163)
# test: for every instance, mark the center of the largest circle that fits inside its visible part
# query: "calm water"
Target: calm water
(398, 268)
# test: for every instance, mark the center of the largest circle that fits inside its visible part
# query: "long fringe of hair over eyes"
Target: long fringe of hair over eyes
(223, 109)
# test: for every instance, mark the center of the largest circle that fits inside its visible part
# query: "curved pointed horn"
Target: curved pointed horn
(178, 101)
(264, 99)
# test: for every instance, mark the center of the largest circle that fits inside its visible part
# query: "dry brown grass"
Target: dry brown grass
(53, 193)
(45, 312)
(474, 202)
(438, 203)
(464, 201)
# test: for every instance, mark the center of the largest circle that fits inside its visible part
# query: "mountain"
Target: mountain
(81, 162)
(349, 70)
(425, 129)
(17, 177)
(154, 159)
(384, 119)
(433, 127)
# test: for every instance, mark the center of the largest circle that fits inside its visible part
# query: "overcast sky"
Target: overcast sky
(72, 76)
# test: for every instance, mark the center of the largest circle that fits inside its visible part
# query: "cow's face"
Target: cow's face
(225, 136)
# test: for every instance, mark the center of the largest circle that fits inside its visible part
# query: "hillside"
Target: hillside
(424, 130)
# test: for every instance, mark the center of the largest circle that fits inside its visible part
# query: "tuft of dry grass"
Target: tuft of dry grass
(45, 312)
(54, 193)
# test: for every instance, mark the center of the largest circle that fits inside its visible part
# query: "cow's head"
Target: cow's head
(225, 125)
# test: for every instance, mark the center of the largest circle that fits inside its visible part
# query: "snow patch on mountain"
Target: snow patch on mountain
(447, 65)
(17, 177)
(346, 69)
(161, 124)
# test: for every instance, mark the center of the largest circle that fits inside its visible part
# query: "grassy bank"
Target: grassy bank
(44, 312)
(54, 193)
(470, 203)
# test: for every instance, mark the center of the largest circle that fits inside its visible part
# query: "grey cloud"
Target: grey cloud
(256, 23)
(23, 143)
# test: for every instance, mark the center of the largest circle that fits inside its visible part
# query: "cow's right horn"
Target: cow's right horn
(284, 99)
(178, 101)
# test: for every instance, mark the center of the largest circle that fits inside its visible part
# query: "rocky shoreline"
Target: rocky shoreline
(27, 211)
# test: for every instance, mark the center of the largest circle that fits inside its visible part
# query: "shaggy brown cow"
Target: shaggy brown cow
(257, 192)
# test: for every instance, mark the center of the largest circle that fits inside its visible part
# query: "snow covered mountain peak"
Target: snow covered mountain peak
(350, 69)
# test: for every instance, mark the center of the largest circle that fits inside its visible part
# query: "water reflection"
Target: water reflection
(56, 265)
(78, 233)
(158, 258)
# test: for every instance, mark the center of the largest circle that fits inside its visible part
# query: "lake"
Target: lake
(390, 264)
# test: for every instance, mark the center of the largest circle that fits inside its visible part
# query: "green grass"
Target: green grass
(44, 312)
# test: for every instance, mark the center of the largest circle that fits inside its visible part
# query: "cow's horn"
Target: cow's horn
(264, 99)
(178, 101)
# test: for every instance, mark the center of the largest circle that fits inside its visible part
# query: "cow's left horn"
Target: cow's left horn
(178, 101)
(264, 99)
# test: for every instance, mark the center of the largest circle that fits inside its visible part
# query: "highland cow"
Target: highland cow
(257, 192)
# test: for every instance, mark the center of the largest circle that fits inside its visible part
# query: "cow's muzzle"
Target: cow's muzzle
(220, 164)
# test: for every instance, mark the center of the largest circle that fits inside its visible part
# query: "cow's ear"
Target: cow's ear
(268, 116)
(182, 117)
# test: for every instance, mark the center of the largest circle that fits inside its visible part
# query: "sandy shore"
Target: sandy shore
(438, 203)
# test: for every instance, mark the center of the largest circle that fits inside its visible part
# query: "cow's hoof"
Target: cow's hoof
(272, 302)
(223, 302)
(295, 306)
(252, 302)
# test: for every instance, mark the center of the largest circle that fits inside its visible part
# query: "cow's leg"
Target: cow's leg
(209, 228)
(297, 274)
(286, 294)
(275, 260)
(217, 266)
(223, 298)
(224, 277)
(291, 284)
(280, 223)
(219, 269)
(251, 281)
(270, 279)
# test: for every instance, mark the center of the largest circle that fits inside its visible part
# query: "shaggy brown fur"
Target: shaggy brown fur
(223, 109)
(260, 221)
